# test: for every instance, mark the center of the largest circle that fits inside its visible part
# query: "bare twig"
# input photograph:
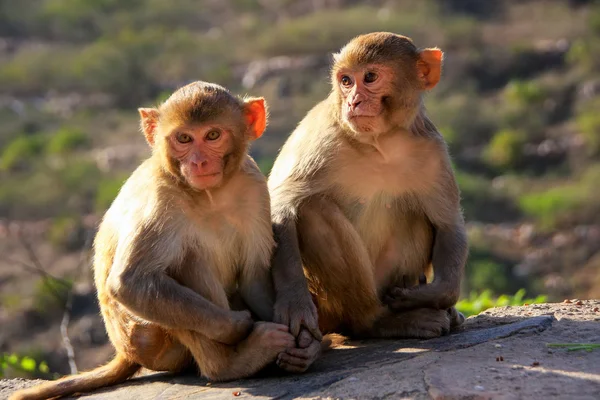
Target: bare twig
(69, 306)
(37, 267)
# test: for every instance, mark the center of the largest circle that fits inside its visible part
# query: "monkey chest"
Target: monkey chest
(233, 242)
(397, 167)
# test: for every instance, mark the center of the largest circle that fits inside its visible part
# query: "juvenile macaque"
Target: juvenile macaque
(365, 201)
(189, 231)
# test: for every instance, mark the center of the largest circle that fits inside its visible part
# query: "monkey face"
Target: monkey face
(201, 151)
(363, 92)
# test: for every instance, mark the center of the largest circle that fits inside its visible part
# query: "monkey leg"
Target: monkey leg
(456, 317)
(256, 289)
(338, 268)
(422, 323)
(221, 362)
(157, 349)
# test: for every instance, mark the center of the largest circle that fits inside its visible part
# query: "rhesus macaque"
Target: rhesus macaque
(364, 199)
(189, 232)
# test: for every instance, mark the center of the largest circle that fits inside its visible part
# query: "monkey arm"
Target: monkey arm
(449, 255)
(164, 301)
(140, 280)
(293, 304)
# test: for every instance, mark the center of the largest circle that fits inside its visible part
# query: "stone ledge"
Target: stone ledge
(464, 365)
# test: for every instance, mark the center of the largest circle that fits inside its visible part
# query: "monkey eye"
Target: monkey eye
(370, 77)
(184, 138)
(346, 80)
(213, 135)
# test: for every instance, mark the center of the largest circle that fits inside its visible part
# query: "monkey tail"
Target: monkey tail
(333, 340)
(116, 371)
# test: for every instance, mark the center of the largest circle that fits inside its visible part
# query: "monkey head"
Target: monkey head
(201, 133)
(378, 79)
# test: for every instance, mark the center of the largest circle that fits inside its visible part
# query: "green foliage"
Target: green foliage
(22, 363)
(589, 125)
(107, 191)
(67, 233)
(524, 93)
(11, 302)
(549, 205)
(328, 30)
(575, 346)
(562, 201)
(487, 274)
(505, 149)
(588, 122)
(265, 164)
(66, 140)
(51, 295)
(583, 54)
(21, 151)
(477, 303)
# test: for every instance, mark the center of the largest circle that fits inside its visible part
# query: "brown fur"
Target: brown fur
(170, 257)
(364, 195)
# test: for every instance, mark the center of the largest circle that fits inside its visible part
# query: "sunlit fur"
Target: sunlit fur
(169, 260)
(372, 210)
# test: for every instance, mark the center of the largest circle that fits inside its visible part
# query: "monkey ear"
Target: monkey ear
(149, 120)
(255, 111)
(429, 67)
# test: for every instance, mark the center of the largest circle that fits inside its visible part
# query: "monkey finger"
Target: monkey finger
(281, 317)
(397, 291)
(391, 301)
(305, 354)
(304, 339)
(280, 327)
(295, 326)
(313, 327)
(288, 360)
(292, 368)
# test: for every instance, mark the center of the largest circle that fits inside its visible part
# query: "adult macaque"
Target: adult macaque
(189, 231)
(364, 198)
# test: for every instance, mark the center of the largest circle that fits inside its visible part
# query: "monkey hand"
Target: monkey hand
(236, 329)
(401, 299)
(300, 358)
(298, 311)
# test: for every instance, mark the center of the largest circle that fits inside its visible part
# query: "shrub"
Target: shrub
(66, 140)
(51, 295)
(588, 123)
(524, 93)
(265, 164)
(477, 303)
(106, 192)
(548, 206)
(24, 364)
(21, 151)
(487, 274)
(575, 201)
(67, 233)
(505, 149)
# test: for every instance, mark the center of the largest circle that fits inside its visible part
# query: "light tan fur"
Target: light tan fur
(169, 257)
(365, 187)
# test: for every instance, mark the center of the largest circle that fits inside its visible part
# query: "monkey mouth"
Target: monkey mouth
(362, 114)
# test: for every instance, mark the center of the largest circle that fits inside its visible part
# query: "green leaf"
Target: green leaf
(43, 367)
(28, 364)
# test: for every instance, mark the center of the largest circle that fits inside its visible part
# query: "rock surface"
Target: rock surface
(499, 354)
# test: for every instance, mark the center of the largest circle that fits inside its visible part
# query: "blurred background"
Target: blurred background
(519, 104)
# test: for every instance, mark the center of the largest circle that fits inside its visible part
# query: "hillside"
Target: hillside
(517, 103)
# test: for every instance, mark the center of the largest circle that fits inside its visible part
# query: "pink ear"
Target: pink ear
(149, 121)
(255, 112)
(429, 67)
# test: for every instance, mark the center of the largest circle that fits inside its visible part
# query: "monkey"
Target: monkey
(188, 233)
(365, 201)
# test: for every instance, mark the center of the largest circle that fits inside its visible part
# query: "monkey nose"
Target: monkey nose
(354, 104)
